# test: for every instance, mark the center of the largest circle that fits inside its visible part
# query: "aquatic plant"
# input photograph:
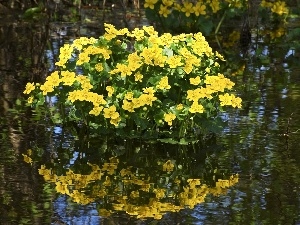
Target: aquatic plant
(134, 82)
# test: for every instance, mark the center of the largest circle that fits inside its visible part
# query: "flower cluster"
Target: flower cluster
(188, 8)
(204, 15)
(137, 79)
(277, 7)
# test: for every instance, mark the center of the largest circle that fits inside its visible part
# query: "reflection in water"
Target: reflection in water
(138, 189)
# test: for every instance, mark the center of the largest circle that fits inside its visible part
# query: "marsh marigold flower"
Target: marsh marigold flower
(199, 9)
(196, 108)
(195, 81)
(29, 88)
(110, 90)
(163, 83)
(150, 3)
(187, 8)
(169, 117)
(164, 11)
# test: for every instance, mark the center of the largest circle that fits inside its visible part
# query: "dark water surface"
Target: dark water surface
(260, 144)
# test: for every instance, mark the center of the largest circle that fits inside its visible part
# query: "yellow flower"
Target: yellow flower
(150, 3)
(163, 83)
(138, 77)
(147, 99)
(30, 99)
(29, 88)
(169, 117)
(215, 5)
(196, 108)
(64, 55)
(47, 87)
(96, 110)
(168, 3)
(179, 107)
(222, 183)
(149, 90)
(110, 112)
(115, 120)
(82, 58)
(177, 7)
(137, 33)
(150, 30)
(129, 106)
(236, 102)
(110, 90)
(195, 81)
(174, 61)
(129, 95)
(99, 67)
(164, 11)
(199, 9)
(68, 78)
(85, 82)
(225, 99)
(187, 8)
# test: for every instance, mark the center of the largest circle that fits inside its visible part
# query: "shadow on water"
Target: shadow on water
(260, 143)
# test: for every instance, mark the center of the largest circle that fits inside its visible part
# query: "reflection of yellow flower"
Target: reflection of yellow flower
(109, 167)
(27, 159)
(104, 212)
(168, 166)
(266, 4)
(277, 33)
(29, 152)
(193, 182)
(135, 194)
(279, 8)
(160, 193)
(62, 188)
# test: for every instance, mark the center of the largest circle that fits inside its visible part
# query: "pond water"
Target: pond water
(247, 174)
